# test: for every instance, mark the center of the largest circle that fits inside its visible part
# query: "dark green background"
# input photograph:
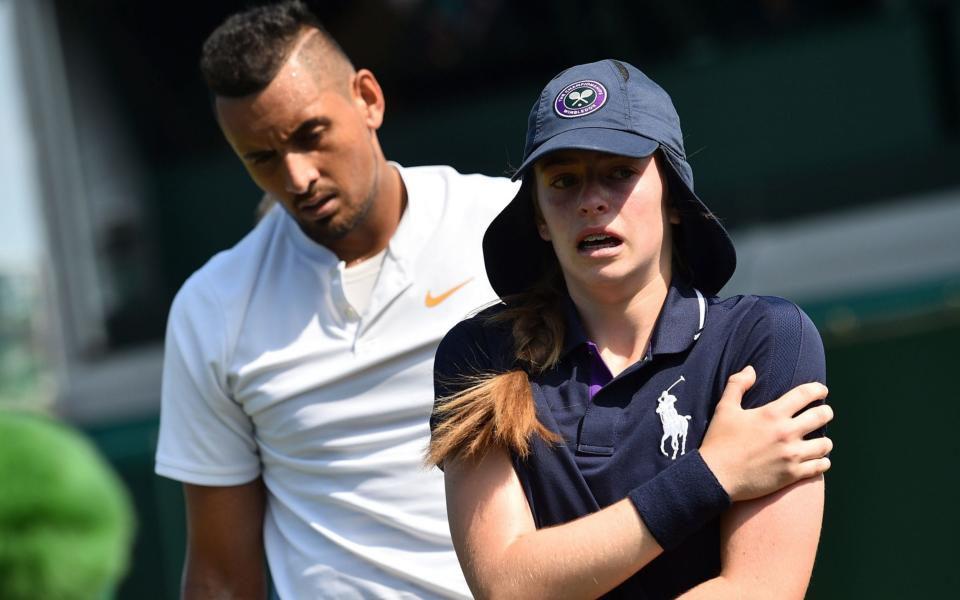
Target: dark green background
(838, 113)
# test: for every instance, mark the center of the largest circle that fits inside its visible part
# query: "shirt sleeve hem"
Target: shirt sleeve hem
(196, 476)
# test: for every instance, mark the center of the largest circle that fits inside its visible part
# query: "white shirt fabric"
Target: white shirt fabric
(269, 372)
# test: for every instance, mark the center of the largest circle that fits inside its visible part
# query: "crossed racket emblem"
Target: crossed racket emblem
(579, 98)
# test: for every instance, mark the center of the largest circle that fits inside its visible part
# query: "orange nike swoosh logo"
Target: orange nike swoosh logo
(432, 301)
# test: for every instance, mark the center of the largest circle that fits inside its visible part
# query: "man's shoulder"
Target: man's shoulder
(232, 268)
(447, 182)
(451, 173)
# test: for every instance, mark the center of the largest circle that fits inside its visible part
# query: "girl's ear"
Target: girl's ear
(674, 215)
(542, 229)
(538, 216)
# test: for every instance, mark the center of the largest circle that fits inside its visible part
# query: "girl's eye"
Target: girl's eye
(622, 173)
(564, 181)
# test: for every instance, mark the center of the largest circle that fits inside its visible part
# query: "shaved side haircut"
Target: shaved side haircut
(244, 54)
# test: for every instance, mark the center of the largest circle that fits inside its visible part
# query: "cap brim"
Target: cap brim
(513, 253)
(704, 244)
(598, 139)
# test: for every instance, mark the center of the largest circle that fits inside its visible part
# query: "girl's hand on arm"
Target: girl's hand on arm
(755, 452)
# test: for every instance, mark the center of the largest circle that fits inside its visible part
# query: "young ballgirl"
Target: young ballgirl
(590, 425)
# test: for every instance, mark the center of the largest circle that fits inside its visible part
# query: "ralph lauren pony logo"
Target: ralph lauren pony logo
(674, 424)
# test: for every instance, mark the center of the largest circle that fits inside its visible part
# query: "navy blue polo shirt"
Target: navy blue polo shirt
(620, 432)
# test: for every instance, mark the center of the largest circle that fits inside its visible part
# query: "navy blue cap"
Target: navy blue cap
(612, 107)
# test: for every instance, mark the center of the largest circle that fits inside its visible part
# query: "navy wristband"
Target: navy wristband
(680, 500)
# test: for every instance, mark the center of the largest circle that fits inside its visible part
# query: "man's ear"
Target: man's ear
(369, 97)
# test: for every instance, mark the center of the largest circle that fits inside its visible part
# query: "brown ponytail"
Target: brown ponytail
(498, 410)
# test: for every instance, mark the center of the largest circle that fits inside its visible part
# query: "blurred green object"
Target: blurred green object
(66, 522)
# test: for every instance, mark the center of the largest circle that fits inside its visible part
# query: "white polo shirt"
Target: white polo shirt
(269, 372)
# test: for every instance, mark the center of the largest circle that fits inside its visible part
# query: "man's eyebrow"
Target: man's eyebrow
(254, 154)
(304, 128)
(309, 125)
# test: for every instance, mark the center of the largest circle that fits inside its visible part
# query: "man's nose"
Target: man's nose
(300, 173)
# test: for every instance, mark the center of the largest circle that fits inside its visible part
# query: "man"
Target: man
(298, 372)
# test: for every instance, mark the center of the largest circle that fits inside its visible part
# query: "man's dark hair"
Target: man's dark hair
(244, 54)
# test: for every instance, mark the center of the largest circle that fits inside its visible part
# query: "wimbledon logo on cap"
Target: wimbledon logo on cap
(580, 98)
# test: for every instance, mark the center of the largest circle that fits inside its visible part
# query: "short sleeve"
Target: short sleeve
(783, 346)
(471, 349)
(205, 436)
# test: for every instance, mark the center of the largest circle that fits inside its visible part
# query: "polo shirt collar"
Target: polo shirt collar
(574, 334)
(321, 256)
(679, 324)
(420, 217)
(681, 319)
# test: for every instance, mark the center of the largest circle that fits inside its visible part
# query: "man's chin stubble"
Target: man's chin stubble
(326, 232)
